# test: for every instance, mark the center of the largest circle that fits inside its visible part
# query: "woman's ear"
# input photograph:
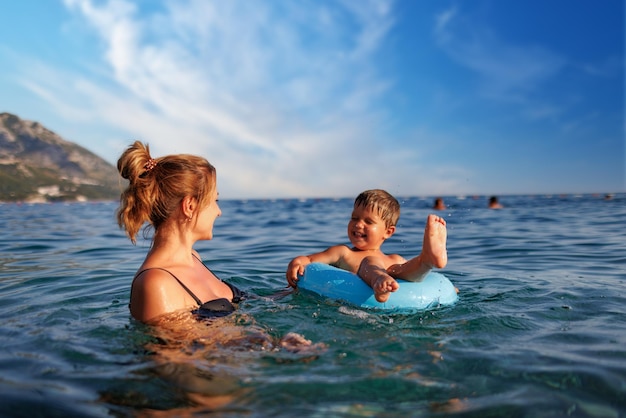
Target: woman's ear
(189, 205)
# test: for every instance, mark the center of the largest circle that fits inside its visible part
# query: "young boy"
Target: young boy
(374, 220)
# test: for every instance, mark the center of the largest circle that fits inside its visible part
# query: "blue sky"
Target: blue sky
(319, 98)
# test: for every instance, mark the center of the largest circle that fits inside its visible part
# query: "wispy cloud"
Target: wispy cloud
(508, 71)
(276, 93)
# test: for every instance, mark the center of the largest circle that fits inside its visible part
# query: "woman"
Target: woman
(177, 196)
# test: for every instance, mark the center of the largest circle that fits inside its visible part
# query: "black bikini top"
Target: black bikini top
(214, 308)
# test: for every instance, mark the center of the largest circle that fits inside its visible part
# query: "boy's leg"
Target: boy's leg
(434, 253)
(434, 250)
(383, 286)
(372, 271)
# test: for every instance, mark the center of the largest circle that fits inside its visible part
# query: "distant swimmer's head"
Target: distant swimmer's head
(493, 203)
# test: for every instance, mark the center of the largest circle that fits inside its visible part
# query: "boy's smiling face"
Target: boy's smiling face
(367, 230)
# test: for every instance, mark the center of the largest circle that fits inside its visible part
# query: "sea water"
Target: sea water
(539, 329)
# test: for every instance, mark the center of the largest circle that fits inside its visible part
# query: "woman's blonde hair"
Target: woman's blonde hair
(381, 202)
(156, 187)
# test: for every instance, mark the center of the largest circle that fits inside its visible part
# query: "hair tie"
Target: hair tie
(150, 165)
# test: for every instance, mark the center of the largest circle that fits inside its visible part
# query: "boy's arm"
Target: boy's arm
(296, 267)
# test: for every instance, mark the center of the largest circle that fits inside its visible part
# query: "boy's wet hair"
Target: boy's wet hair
(381, 202)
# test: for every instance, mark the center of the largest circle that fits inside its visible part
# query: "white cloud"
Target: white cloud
(274, 93)
(508, 71)
(284, 98)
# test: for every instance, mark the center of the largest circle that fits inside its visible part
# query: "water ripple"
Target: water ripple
(538, 330)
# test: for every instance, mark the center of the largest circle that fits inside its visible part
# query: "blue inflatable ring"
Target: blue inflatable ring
(335, 283)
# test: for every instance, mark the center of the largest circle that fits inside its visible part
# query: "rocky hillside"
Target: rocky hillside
(38, 165)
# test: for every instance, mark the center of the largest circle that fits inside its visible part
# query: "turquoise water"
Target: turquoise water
(539, 329)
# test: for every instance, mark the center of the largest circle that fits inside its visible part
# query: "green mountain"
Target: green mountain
(37, 165)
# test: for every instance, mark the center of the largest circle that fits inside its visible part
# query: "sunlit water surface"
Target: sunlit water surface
(539, 329)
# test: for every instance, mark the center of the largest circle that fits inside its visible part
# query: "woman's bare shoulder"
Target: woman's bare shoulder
(155, 292)
(155, 283)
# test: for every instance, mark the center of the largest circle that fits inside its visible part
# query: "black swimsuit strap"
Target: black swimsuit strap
(198, 301)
